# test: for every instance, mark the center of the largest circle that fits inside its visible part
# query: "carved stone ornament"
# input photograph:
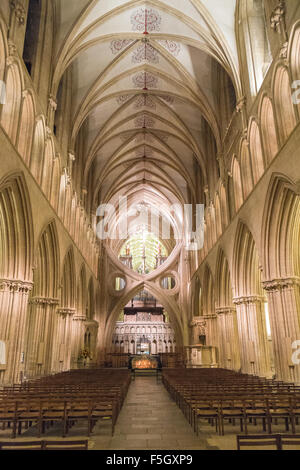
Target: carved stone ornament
(52, 102)
(201, 324)
(240, 104)
(284, 51)
(66, 312)
(19, 11)
(276, 285)
(13, 286)
(225, 310)
(251, 299)
(278, 16)
(43, 301)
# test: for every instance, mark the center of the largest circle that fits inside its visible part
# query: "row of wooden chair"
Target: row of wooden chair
(67, 398)
(268, 441)
(44, 445)
(221, 397)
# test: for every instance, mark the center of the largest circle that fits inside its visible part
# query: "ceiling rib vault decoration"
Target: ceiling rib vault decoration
(143, 91)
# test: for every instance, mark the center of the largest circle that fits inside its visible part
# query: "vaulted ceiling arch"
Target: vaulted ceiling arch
(146, 95)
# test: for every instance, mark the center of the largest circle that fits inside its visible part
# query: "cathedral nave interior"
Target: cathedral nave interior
(160, 105)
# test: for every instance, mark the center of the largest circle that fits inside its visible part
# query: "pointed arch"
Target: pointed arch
(16, 237)
(293, 55)
(82, 293)
(91, 300)
(223, 286)
(250, 303)
(3, 51)
(208, 292)
(247, 179)
(268, 128)
(38, 149)
(48, 167)
(281, 233)
(246, 264)
(27, 123)
(55, 183)
(256, 151)
(68, 281)
(218, 212)
(253, 35)
(11, 109)
(46, 273)
(224, 206)
(237, 184)
(285, 113)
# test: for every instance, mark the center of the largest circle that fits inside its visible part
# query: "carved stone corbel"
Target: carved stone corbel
(18, 9)
(278, 19)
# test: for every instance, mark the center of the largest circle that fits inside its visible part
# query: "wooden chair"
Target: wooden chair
(229, 411)
(103, 411)
(52, 412)
(26, 445)
(65, 445)
(266, 440)
(289, 440)
(207, 410)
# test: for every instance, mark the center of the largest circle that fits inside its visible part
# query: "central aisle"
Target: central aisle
(150, 420)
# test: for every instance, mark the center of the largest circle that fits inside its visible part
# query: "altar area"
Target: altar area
(145, 364)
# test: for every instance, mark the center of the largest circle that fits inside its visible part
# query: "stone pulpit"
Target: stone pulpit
(199, 356)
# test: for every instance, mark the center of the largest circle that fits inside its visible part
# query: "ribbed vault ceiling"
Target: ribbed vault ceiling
(143, 89)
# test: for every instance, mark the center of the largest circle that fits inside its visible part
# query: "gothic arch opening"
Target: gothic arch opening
(32, 33)
(251, 306)
(43, 304)
(253, 33)
(143, 328)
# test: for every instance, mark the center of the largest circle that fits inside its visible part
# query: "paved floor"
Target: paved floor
(151, 420)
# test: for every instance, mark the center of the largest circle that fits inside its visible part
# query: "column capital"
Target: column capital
(79, 317)
(225, 310)
(280, 284)
(66, 311)
(13, 285)
(43, 301)
(251, 299)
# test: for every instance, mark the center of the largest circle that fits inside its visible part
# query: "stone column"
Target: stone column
(62, 340)
(229, 356)
(284, 310)
(93, 326)
(77, 337)
(13, 307)
(40, 327)
(253, 341)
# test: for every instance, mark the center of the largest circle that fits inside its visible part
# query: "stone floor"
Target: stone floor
(149, 420)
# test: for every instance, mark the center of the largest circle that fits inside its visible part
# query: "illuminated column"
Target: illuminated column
(229, 357)
(63, 339)
(253, 342)
(13, 307)
(284, 308)
(77, 337)
(41, 325)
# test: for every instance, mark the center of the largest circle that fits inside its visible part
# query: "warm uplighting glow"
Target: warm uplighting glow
(146, 251)
(268, 325)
